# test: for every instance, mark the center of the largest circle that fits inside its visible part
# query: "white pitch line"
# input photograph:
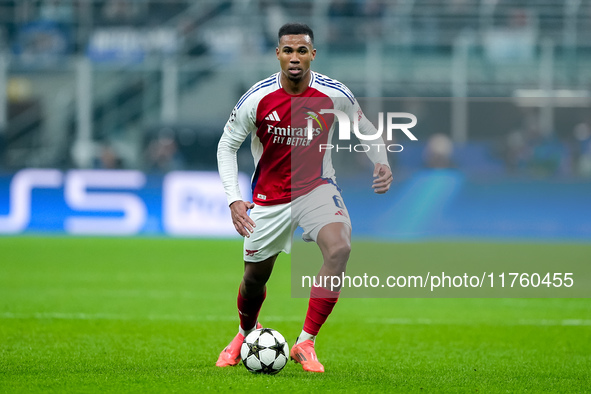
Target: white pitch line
(521, 322)
(111, 316)
(216, 318)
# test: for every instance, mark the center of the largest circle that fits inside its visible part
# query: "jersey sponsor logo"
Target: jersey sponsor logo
(261, 196)
(250, 253)
(292, 131)
(273, 117)
(290, 136)
(340, 213)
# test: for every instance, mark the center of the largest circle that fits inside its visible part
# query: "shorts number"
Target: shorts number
(338, 202)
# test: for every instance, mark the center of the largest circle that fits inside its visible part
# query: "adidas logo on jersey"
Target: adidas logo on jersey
(273, 117)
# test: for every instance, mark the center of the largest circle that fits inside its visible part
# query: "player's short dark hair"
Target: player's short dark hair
(295, 28)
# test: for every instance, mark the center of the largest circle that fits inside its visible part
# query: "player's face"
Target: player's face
(295, 52)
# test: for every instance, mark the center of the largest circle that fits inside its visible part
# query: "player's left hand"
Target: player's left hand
(383, 180)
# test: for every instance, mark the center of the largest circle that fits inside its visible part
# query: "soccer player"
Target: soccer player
(282, 200)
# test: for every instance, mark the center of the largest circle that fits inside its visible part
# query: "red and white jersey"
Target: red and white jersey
(287, 163)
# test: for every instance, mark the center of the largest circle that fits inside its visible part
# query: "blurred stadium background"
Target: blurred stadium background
(501, 89)
(110, 113)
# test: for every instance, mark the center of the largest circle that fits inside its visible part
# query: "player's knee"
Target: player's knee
(255, 280)
(339, 252)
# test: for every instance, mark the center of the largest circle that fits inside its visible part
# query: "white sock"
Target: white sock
(246, 332)
(304, 336)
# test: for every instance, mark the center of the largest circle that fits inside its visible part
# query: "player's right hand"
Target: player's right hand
(242, 222)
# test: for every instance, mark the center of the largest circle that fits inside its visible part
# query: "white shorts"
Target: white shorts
(275, 224)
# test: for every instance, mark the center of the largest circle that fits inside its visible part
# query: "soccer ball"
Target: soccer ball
(264, 351)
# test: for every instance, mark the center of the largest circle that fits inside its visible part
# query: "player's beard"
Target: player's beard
(297, 78)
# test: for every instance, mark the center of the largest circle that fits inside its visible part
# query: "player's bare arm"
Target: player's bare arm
(243, 224)
(383, 178)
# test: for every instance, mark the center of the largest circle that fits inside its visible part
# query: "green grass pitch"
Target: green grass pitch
(151, 315)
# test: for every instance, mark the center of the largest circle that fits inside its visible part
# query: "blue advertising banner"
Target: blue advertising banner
(447, 204)
(115, 202)
(428, 204)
